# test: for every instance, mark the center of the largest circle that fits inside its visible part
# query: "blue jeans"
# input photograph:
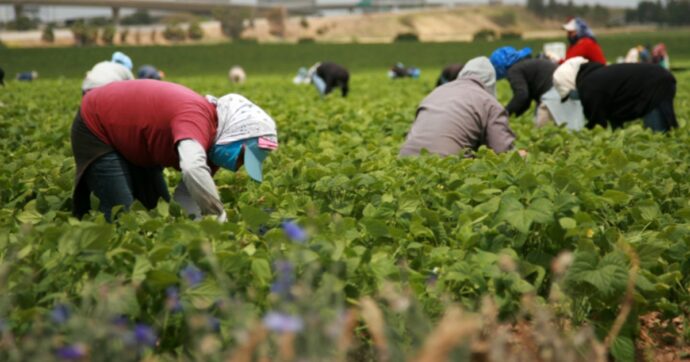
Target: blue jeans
(116, 181)
(662, 118)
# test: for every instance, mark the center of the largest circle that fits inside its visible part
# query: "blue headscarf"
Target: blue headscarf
(504, 58)
(582, 31)
(226, 156)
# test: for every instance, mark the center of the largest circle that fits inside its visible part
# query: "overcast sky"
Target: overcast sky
(56, 13)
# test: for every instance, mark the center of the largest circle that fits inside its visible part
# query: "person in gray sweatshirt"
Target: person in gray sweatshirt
(460, 116)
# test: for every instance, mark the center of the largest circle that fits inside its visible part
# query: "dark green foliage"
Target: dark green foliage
(195, 32)
(108, 34)
(406, 37)
(484, 35)
(48, 35)
(140, 17)
(174, 32)
(260, 58)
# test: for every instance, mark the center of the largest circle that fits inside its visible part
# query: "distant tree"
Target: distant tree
(276, 21)
(108, 34)
(84, 34)
(304, 23)
(140, 17)
(23, 23)
(536, 6)
(174, 32)
(195, 32)
(48, 35)
(678, 12)
(123, 35)
(650, 12)
(600, 14)
(232, 21)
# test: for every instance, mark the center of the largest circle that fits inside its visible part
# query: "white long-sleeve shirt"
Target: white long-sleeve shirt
(104, 73)
(197, 192)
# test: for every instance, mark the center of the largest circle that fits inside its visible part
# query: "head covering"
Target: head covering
(148, 72)
(242, 122)
(480, 68)
(504, 58)
(566, 74)
(580, 28)
(659, 50)
(122, 58)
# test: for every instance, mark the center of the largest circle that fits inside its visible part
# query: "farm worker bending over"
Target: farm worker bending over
(620, 92)
(532, 80)
(529, 78)
(328, 76)
(660, 56)
(582, 42)
(149, 72)
(449, 73)
(117, 69)
(461, 115)
(126, 133)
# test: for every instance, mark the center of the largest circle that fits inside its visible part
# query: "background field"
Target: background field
(286, 58)
(418, 234)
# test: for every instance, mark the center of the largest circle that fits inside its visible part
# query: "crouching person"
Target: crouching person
(327, 76)
(460, 116)
(126, 133)
(619, 93)
(119, 68)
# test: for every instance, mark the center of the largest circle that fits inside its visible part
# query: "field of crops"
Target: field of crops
(346, 251)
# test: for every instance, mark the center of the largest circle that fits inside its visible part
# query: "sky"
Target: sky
(57, 13)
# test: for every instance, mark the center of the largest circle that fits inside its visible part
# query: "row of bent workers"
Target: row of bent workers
(126, 132)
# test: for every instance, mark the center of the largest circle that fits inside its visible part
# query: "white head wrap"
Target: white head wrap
(481, 69)
(239, 119)
(565, 76)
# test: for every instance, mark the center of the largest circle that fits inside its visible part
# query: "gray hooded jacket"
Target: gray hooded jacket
(460, 116)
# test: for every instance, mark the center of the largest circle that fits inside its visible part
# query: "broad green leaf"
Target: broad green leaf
(141, 267)
(261, 271)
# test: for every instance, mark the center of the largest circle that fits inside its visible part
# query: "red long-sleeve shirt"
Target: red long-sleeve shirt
(588, 49)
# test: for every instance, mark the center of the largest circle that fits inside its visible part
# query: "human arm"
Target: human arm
(197, 183)
(520, 102)
(498, 135)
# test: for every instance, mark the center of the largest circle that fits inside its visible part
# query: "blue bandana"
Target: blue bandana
(226, 156)
(505, 57)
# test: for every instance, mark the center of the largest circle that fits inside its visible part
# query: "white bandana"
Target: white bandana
(565, 76)
(239, 119)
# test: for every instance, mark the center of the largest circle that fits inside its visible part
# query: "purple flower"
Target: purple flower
(72, 353)
(172, 299)
(285, 279)
(294, 232)
(281, 322)
(145, 335)
(60, 314)
(192, 275)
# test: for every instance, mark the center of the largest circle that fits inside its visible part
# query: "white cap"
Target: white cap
(570, 26)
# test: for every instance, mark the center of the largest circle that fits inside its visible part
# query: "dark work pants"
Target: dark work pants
(115, 181)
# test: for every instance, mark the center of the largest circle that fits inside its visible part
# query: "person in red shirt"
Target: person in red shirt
(582, 42)
(126, 133)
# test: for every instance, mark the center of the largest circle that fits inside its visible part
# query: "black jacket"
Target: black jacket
(529, 79)
(335, 76)
(623, 92)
